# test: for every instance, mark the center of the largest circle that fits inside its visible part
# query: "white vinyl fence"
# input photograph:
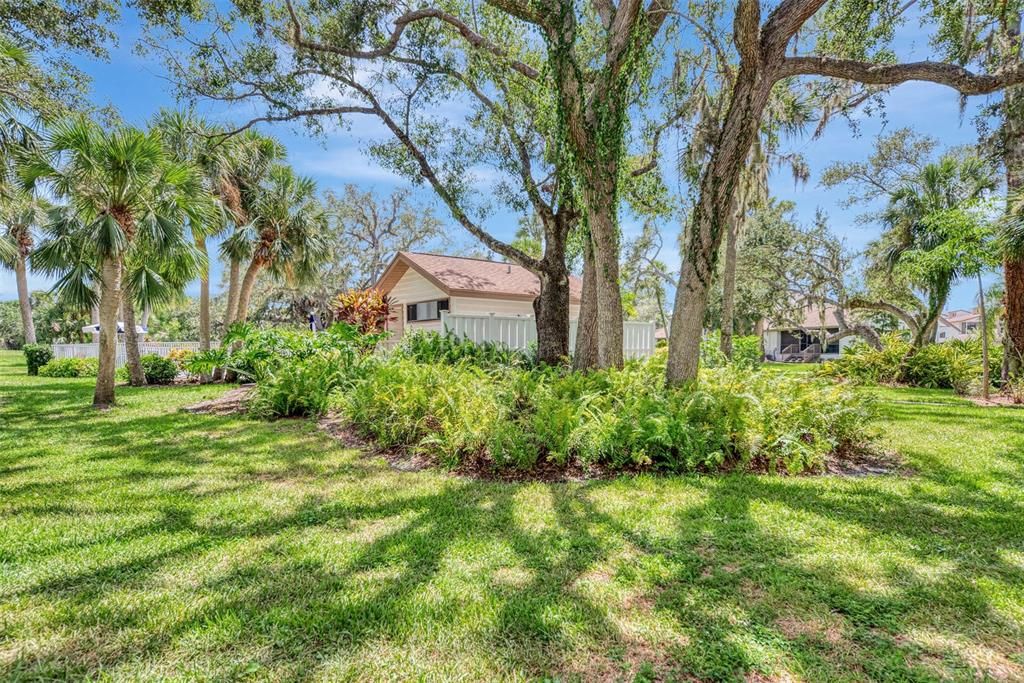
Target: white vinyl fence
(518, 332)
(146, 347)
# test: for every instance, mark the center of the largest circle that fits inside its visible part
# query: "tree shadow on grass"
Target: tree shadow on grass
(222, 548)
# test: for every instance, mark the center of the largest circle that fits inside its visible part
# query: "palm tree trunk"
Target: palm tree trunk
(986, 381)
(245, 290)
(234, 271)
(24, 300)
(729, 289)
(242, 312)
(204, 306)
(136, 375)
(585, 354)
(110, 302)
(929, 325)
(1013, 265)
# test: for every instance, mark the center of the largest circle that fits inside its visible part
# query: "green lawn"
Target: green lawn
(148, 543)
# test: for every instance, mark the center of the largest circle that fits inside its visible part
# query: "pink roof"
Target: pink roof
(960, 316)
(456, 275)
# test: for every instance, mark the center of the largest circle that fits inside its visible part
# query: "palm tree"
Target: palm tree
(22, 212)
(193, 140)
(234, 169)
(153, 276)
(288, 226)
(123, 191)
(242, 175)
(951, 184)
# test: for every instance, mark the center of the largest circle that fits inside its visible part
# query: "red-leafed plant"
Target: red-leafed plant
(367, 309)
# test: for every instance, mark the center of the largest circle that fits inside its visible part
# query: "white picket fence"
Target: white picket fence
(146, 347)
(518, 332)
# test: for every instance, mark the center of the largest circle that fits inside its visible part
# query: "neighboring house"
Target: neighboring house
(958, 324)
(785, 341)
(424, 285)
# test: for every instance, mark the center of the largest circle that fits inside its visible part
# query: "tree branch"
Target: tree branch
(863, 304)
(784, 22)
(401, 23)
(964, 81)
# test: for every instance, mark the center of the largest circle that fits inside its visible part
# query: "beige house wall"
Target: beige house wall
(413, 288)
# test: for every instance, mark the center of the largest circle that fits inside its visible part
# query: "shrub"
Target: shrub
(257, 354)
(953, 365)
(746, 351)
(366, 309)
(620, 419)
(303, 386)
(433, 347)
(36, 356)
(450, 410)
(158, 370)
(181, 357)
(861, 363)
(71, 367)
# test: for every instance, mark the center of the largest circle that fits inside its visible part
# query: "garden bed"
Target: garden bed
(485, 411)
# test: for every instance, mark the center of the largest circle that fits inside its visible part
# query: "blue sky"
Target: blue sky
(135, 86)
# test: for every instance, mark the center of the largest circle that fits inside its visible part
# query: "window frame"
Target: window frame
(439, 306)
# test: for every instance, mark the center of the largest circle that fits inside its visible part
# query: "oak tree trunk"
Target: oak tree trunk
(585, 353)
(24, 298)
(136, 375)
(712, 213)
(602, 208)
(551, 310)
(687, 325)
(110, 302)
(1013, 274)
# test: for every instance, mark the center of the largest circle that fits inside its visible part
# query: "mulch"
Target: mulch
(232, 402)
(851, 463)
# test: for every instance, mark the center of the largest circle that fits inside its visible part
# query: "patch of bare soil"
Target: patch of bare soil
(865, 463)
(338, 428)
(233, 402)
(995, 400)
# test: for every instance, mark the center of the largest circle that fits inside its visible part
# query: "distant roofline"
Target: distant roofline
(404, 257)
(461, 258)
